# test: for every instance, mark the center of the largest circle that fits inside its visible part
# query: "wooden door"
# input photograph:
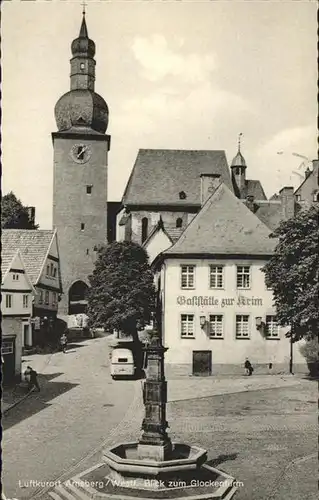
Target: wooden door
(202, 363)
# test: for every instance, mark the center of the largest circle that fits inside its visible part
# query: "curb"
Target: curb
(17, 402)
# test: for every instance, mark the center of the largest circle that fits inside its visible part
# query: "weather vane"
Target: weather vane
(84, 5)
(239, 140)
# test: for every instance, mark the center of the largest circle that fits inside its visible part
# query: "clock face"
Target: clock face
(81, 153)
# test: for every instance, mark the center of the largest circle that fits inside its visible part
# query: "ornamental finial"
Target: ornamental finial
(84, 5)
(239, 141)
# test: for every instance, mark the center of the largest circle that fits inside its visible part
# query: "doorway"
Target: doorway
(8, 360)
(202, 363)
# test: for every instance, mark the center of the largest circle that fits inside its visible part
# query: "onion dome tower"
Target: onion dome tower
(81, 106)
(238, 168)
(80, 175)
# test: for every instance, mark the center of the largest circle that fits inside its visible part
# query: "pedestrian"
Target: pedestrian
(33, 379)
(248, 367)
(63, 342)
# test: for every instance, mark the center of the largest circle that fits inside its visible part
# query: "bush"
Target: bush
(309, 350)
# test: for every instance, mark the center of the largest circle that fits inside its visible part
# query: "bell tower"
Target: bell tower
(238, 170)
(81, 148)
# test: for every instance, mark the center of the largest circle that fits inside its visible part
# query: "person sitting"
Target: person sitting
(248, 367)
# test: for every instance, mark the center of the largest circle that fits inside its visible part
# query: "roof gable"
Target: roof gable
(13, 261)
(33, 245)
(159, 175)
(158, 241)
(225, 225)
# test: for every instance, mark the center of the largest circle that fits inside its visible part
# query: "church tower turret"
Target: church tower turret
(238, 169)
(80, 174)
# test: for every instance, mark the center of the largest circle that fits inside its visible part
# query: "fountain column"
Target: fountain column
(154, 443)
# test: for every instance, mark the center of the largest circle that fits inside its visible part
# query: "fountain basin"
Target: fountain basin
(123, 458)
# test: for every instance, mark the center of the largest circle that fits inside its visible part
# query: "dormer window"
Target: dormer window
(182, 195)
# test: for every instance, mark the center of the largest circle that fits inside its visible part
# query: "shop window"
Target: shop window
(216, 327)
(272, 327)
(242, 327)
(187, 325)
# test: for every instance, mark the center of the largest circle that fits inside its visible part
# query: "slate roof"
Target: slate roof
(224, 225)
(159, 175)
(255, 189)
(270, 213)
(33, 246)
(7, 255)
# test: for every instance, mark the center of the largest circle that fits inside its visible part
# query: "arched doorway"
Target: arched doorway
(78, 297)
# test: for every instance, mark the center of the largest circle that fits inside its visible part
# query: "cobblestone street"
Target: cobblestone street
(261, 430)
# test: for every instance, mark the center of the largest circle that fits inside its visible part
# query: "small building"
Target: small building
(17, 294)
(216, 308)
(40, 253)
(308, 191)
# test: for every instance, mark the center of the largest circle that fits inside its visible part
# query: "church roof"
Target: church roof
(160, 175)
(224, 225)
(33, 245)
(255, 189)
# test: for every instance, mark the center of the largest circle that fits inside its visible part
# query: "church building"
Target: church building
(81, 148)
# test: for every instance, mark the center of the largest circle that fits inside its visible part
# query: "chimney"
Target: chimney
(250, 203)
(287, 202)
(31, 215)
(307, 172)
(209, 183)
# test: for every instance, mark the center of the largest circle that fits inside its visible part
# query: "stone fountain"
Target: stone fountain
(154, 467)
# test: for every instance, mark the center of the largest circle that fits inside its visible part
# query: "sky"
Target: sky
(175, 75)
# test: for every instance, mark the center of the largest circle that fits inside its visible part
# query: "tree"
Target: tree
(122, 293)
(14, 215)
(292, 273)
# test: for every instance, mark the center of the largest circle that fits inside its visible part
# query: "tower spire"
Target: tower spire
(83, 29)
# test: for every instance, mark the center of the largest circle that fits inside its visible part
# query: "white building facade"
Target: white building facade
(216, 313)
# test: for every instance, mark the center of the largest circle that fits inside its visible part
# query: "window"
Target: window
(179, 222)
(54, 272)
(237, 170)
(25, 301)
(15, 277)
(54, 299)
(144, 228)
(272, 327)
(243, 276)
(48, 270)
(216, 330)
(82, 226)
(216, 277)
(187, 276)
(242, 327)
(316, 196)
(9, 300)
(51, 269)
(182, 195)
(187, 325)
(47, 297)
(298, 197)
(41, 297)
(82, 65)
(7, 347)
(89, 189)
